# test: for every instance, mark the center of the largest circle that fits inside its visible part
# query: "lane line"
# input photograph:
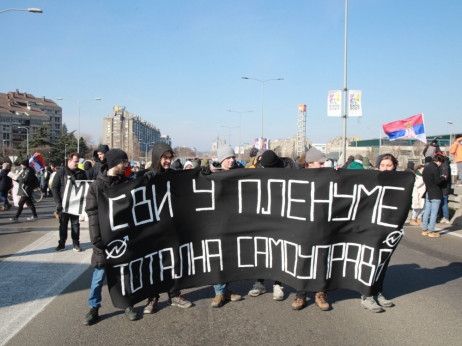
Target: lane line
(36, 275)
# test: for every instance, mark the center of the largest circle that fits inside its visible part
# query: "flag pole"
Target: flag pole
(345, 95)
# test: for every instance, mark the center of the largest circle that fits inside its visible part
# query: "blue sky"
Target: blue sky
(178, 64)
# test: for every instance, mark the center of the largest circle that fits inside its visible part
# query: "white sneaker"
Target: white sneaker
(278, 293)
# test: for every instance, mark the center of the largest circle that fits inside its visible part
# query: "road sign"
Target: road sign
(13, 158)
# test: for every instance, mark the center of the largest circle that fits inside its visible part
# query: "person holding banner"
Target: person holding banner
(67, 175)
(112, 173)
(227, 159)
(26, 180)
(314, 159)
(162, 155)
(385, 162)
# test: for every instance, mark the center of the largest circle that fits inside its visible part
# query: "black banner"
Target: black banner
(312, 229)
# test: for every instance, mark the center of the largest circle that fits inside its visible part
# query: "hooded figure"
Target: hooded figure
(93, 172)
(431, 149)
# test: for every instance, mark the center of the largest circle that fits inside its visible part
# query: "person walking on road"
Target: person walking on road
(418, 198)
(112, 173)
(67, 175)
(27, 181)
(433, 183)
(456, 150)
(313, 159)
(6, 183)
(162, 156)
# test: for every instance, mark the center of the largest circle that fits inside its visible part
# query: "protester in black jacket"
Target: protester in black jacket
(100, 160)
(26, 181)
(445, 169)
(67, 174)
(433, 183)
(162, 155)
(6, 184)
(112, 173)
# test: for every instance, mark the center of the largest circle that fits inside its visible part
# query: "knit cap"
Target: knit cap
(224, 152)
(114, 157)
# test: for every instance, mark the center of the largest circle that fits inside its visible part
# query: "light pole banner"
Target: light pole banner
(334, 103)
(355, 108)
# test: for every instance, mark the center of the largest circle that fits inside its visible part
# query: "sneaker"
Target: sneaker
(444, 220)
(180, 302)
(257, 289)
(91, 317)
(370, 304)
(233, 297)
(218, 301)
(299, 303)
(419, 222)
(131, 313)
(59, 248)
(384, 301)
(14, 219)
(151, 307)
(278, 293)
(77, 247)
(434, 235)
(320, 300)
(424, 233)
(413, 223)
(32, 218)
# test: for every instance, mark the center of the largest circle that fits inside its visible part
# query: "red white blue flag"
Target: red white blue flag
(412, 127)
(37, 162)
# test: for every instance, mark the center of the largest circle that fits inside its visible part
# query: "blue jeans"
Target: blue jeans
(445, 207)
(220, 288)
(97, 283)
(431, 210)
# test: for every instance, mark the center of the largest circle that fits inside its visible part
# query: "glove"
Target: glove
(205, 170)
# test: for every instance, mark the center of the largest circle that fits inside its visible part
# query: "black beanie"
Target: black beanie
(114, 157)
(270, 159)
(25, 163)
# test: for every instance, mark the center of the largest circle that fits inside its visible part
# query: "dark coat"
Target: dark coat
(59, 183)
(433, 181)
(25, 181)
(5, 182)
(445, 169)
(103, 181)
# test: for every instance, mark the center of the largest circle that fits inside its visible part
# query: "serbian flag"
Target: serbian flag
(412, 127)
(37, 162)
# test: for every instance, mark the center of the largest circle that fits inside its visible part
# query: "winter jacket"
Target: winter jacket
(25, 180)
(445, 169)
(456, 149)
(433, 181)
(431, 149)
(5, 182)
(355, 165)
(418, 192)
(98, 258)
(59, 183)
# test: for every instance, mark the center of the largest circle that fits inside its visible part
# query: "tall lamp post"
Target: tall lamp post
(262, 92)
(146, 150)
(3, 146)
(450, 134)
(78, 125)
(27, 137)
(33, 10)
(65, 153)
(229, 132)
(240, 127)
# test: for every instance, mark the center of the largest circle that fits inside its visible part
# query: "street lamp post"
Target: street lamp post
(27, 137)
(65, 153)
(450, 134)
(240, 127)
(78, 124)
(3, 147)
(146, 149)
(262, 92)
(33, 10)
(229, 132)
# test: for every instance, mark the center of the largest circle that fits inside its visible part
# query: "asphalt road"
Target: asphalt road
(45, 303)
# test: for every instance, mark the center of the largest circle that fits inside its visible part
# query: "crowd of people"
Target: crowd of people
(111, 167)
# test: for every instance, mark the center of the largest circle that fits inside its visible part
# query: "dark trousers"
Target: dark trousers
(75, 228)
(28, 202)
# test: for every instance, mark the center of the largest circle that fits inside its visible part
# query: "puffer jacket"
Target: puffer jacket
(24, 181)
(103, 181)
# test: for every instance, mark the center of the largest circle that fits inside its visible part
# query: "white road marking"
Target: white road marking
(34, 276)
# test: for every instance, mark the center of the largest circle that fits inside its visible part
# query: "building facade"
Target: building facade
(22, 113)
(131, 133)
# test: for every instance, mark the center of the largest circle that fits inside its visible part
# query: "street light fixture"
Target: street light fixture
(22, 127)
(240, 127)
(262, 91)
(33, 10)
(79, 102)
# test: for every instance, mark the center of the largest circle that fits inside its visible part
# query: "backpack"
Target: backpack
(34, 182)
